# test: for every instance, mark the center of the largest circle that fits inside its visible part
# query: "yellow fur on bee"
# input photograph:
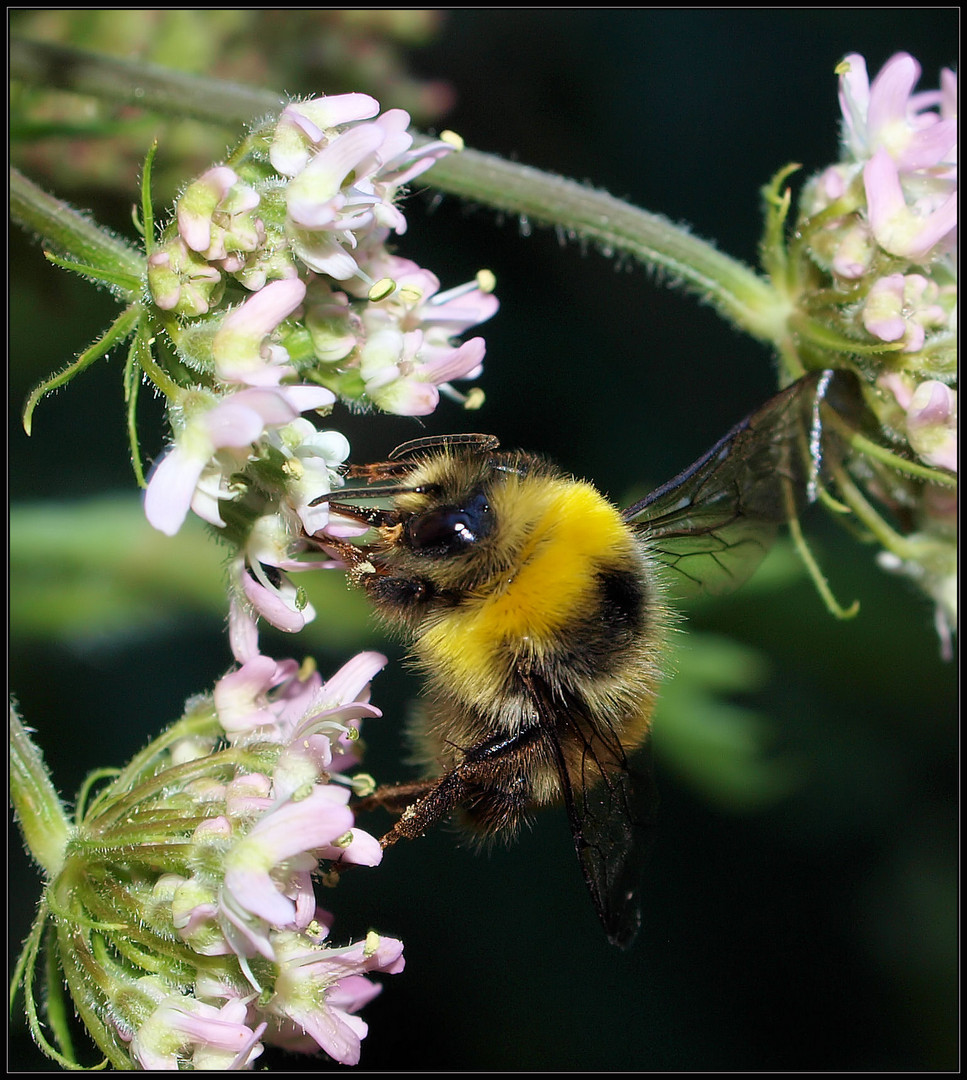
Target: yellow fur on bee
(576, 534)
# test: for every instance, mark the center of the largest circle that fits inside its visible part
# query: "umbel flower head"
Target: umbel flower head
(275, 289)
(181, 905)
(872, 278)
(296, 228)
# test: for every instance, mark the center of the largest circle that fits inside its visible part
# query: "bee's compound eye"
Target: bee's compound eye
(449, 530)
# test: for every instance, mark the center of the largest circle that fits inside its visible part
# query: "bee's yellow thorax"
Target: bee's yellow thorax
(574, 533)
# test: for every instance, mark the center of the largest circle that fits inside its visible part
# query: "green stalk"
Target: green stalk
(69, 232)
(40, 813)
(116, 333)
(138, 82)
(736, 291)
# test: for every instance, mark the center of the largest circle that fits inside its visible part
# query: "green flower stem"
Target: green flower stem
(906, 548)
(737, 292)
(71, 233)
(820, 581)
(115, 802)
(58, 1011)
(24, 977)
(137, 82)
(42, 817)
(86, 990)
(143, 357)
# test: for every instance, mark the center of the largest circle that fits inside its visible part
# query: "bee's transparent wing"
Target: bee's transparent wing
(715, 521)
(611, 809)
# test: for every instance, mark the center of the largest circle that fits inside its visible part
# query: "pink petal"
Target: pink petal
(459, 363)
(304, 398)
(271, 606)
(363, 850)
(309, 195)
(354, 676)
(170, 490)
(890, 92)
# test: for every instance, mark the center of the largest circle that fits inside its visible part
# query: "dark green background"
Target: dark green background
(816, 934)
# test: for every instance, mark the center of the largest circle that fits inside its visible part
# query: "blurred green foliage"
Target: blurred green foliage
(79, 142)
(96, 570)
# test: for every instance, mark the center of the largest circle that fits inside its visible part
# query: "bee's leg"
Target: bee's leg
(420, 805)
(396, 797)
(490, 783)
(357, 558)
(350, 554)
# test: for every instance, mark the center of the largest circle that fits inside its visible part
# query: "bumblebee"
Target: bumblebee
(536, 612)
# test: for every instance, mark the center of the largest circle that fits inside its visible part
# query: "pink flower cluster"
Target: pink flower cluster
(344, 170)
(906, 144)
(888, 236)
(883, 222)
(316, 218)
(217, 438)
(401, 347)
(250, 898)
(279, 291)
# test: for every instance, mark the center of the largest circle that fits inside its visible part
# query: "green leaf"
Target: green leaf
(90, 569)
(721, 750)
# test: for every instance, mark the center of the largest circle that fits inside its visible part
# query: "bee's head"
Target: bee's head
(461, 514)
(449, 529)
(445, 514)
